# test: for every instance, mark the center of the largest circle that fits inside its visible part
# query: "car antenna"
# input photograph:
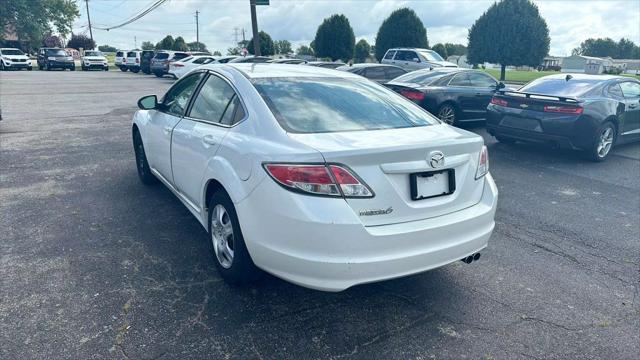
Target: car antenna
(568, 77)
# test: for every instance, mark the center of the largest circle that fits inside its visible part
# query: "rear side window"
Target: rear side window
(461, 79)
(214, 102)
(390, 54)
(560, 87)
(317, 105)
(614, 89)
(404, 55)
(177, 98)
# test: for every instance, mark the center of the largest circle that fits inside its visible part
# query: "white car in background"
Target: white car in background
(12, 58)
(93, 59)
(133, 61)
(319, 177)
(120, 60)
(179, 68)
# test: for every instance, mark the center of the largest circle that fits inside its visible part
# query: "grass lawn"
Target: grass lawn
(522, 77)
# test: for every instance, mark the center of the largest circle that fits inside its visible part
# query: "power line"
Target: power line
(153, 6)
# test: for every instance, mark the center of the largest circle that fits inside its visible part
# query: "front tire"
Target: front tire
(144, 172)
(603, 141)
(228, 248)
(448, 113)
(157, 74)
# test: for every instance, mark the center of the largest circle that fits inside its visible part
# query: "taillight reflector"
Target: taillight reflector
(412, 95)
(326, 180)
(483, 163)
(577, 110)
(498, 101)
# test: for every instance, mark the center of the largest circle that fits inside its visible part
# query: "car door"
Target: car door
(484, 86)
(197, 137)
(460, 91)
(388, 57)
(631, 92)
(162, 121)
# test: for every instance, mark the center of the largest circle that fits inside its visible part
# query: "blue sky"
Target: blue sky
(570, 22)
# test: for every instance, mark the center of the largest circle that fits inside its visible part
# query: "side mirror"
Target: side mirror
(148, 102)
(500, 85)
(416, 60)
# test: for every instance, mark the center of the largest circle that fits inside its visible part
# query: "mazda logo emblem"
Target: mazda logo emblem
(436, 159)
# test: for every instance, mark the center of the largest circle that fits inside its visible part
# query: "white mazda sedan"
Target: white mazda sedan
(319, 177)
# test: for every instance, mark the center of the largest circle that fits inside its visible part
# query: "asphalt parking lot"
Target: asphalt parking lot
(94, 265)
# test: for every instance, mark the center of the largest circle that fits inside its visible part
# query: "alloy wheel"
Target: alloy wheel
(447, 114)
(605, 141)
(222, 236)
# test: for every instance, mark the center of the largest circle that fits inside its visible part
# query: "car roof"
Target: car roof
(409, 48)
(270, 70)
(602, 77)
(366, 65)
(9, 48)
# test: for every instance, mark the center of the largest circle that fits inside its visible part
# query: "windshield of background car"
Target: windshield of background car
(317, 105)
(420, 77)
(54, 52)
(12, 52)
(560, 87)
(92, 53)
(161, 56)
(431, 55)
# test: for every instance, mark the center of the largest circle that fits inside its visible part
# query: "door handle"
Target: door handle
(167, 129)
(209, 140)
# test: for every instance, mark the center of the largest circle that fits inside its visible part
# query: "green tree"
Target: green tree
(217, 53)
(440, 49)
(197, 46)
(147, 45)
(455, 49)
(510, 32)
(166, 43)
(603, 47)
(81, 41)
(108, 48)
(362, 51)
(266, 45)
(335, 39)
(626, 49)
(233, 51)
(402, 28)
(32, 20)
(52, 41)
(304, 50)
(180, 44)
(282, 46)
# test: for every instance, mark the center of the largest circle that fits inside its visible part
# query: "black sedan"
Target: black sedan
(583, 112)
(452, 94)
(380, 73)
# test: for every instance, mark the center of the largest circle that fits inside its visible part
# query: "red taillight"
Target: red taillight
(177, 65)
(412, 95)
(327, 180)
(498, 101)
(576, 110)
(483, 163)
(137, 61)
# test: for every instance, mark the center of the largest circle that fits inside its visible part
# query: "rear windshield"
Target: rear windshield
(420, 77)
(131, 54)
(56, 52)
(12, 52)
(560, 87)
(162, 56)
(119, 53)
(316, 105)
(178, 56)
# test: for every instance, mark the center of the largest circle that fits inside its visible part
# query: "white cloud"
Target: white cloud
(570, 22)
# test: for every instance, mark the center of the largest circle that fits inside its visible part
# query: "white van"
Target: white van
(133, 61)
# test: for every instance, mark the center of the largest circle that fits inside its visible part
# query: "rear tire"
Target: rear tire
(447, 113)
(228, 248)
(123, 69)
(157, 74)
(603, 140)
(144, 172)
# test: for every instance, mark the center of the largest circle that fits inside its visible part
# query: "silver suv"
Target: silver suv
(415, 59)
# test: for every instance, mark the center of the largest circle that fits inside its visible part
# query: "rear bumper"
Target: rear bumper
(517, 134)
(321, 243)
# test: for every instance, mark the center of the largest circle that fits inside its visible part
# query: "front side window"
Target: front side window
(404, 55)
(461, 79)
(317, 105)
(481, 80)
(177, 98)
(630, 89)
(213, 102)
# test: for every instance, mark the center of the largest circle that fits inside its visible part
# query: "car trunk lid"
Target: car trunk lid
(386, 160)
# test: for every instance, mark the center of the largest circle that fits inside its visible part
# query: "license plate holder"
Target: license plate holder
(441, 182)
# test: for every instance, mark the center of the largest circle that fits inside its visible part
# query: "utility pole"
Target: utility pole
(254, 27)
(135, 42)
(89, 19)
(198, 30)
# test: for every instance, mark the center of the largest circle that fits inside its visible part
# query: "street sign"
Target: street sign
(262, 2)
